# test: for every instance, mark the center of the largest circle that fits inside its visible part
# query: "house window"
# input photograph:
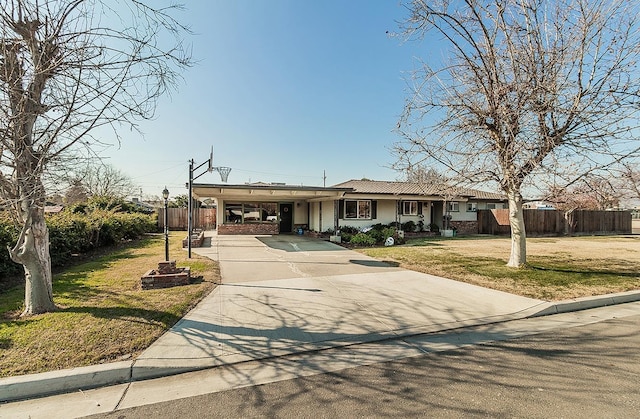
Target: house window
(233, 213)
(472, 207)
(409, 207)
(357, 209)
(491, 206)
(453, 206)
(250, 212)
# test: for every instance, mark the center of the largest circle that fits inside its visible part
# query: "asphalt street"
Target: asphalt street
(573, 372)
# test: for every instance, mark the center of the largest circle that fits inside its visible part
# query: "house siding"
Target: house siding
(463, 214)
(300, 213)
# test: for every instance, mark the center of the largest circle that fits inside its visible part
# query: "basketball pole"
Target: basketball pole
(224, 173)
(210, 168)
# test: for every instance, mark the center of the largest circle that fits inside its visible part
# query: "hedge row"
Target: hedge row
(76, 233)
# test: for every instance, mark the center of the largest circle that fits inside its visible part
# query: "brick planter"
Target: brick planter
(465, 227)
(197, 238)
(257, 228)
(167, 275)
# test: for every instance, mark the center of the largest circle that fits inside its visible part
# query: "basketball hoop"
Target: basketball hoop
(224, 172)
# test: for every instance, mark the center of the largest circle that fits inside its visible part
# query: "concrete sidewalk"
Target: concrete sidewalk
(283, 295)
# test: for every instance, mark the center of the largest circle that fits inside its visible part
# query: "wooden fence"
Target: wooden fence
(203, 218)
(551, 222)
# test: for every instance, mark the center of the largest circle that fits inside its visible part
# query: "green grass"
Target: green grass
(103, 313)
(559, 272)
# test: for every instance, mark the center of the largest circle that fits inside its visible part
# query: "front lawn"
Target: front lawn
(103, 313)
(558, 268)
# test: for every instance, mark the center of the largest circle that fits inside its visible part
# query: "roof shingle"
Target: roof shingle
(412, 188)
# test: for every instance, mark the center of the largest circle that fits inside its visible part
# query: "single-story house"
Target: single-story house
(268, 208)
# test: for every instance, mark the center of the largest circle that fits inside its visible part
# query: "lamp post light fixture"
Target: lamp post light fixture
(165, 195)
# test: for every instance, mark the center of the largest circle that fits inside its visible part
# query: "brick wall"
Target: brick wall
(266, 228)
(465, 227)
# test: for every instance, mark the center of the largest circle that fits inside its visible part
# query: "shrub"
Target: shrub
(78, 230)
(69, 233)
(434, 228)
(349, 229)
(8, 237)
(362, 239)
(346, 237)
(377, 235)
(389, 232)
(398, 239)
(409, 226)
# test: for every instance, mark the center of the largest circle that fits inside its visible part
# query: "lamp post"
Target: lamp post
(165, 195)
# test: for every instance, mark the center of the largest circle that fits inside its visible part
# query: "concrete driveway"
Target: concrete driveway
(262, 258)
(288, 294)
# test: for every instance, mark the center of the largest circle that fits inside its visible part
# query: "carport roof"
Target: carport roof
(266, 190)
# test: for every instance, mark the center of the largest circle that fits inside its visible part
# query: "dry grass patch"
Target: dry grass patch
(558, 268)
(103, 313)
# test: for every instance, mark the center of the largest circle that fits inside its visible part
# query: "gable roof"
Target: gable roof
(413, 188)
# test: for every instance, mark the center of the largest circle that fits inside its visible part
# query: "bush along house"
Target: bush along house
(273, 208)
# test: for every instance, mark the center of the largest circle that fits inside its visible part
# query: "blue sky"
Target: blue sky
(283, 90)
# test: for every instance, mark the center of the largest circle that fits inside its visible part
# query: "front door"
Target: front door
(286, 218)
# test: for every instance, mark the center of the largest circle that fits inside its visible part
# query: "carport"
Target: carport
(268, 208)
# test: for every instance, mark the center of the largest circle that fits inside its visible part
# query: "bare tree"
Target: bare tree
(591, 192)
(68, 67)
(631, 178)
(76, 193)
(433, 182)
(528, 88)
(103, 180)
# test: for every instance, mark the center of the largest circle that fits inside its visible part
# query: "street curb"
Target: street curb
(586, 303)
(84, 378)
(64, 381)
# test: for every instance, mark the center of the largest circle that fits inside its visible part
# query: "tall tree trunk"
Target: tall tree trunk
(32, 251)
(518, 256)
(569, 222)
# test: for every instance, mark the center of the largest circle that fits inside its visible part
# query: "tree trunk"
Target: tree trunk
(569, 221)
(518, 256)
(32, 251)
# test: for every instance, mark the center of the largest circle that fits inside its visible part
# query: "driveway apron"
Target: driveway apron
(287, 294)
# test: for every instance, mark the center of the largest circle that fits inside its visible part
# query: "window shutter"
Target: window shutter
(341, 209)
(420, 208)
(399, 210)
(374, 210)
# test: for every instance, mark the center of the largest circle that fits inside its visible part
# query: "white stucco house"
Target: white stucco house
(266, 208)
